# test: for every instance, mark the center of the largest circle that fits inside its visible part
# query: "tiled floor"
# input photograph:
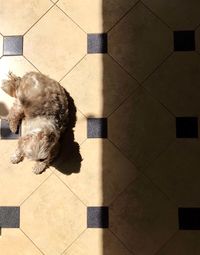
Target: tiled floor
(127, 179)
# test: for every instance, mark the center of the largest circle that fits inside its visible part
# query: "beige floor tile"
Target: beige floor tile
(146, 42)
(19, 66)
(103, 175)
(96, 91)
(80, 130)
(176, 172)
(17, 17)
(14, 242)
(8, 147)
(176, 84)
(96, 16)
(98, 242)
(57, 217)
(184, 243)
(6, 103)
(1, 45)
(179, 14)
(52, 46)
(143, 218)
(143, 132)
(17, 182)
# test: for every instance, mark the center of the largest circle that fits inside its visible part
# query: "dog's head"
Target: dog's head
(11, 85)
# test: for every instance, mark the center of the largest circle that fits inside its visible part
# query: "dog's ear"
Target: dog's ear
(10, 86)
(7, 87)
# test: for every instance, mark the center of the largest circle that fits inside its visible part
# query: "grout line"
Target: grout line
(83, 142)
(31, 240)
(158, 17)
(69, 188)
(133, 253)
(141, 172)
(157, 100)
(156, 185)
(196, 28)
(166, 243)
(124, 100)
(39, 19)
(123, 16)
(70, 70)
(123, 68)
(121, 192)
(74, 241)
(71, 19)
(162, 193)
(31, 63)
(160, 154)
(81, 112)
(132, 94)
(157, 67)
(54, 2)
(35, 189)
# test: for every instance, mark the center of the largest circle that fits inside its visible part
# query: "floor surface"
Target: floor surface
(127, 182)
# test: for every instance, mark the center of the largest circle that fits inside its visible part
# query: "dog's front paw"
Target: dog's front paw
(13, 126)
(39, 168)
(15, 158)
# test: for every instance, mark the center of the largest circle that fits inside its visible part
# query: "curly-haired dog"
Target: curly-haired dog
(43, 105)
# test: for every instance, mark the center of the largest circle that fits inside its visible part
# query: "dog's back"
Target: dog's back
(42, 96)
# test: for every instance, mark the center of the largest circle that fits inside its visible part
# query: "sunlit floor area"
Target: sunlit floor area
(127, 179)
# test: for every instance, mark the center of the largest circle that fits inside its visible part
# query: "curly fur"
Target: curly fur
(43, 105)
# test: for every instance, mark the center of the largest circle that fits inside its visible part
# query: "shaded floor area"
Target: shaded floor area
(131, 159)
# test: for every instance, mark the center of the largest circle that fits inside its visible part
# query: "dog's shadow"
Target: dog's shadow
(69, 159)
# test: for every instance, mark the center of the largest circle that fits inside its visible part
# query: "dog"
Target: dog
(42, 104)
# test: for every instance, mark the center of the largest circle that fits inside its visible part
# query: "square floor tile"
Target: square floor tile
(6, 133)
(9, 217)
(97, 127)
(97, 217)
(142, 217)
(189, 218)
(53, 232)
(184, 40)
(97, 43)
(187, 127)
(15, 242)
(13, 45)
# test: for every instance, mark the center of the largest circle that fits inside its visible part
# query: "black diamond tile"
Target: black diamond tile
(6, 132)
(97, 43)
(9, 217)
(187, 127)
(97, 217)
(97, 128)
(12, 45)
(189, 218)
(184, 40)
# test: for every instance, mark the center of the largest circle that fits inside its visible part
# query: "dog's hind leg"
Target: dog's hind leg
(39, 167)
